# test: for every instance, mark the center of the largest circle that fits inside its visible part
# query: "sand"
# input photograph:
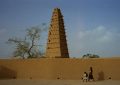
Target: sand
(57, 82)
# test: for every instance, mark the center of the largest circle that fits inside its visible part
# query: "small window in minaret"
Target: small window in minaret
(51, 25)
(49, 33)
(48, 40)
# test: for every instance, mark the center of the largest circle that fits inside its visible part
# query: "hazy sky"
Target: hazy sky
(92, 26)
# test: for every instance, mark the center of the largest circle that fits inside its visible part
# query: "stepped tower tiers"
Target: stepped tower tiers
(57, 43)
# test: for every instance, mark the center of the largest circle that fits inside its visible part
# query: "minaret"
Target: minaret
(57, 43)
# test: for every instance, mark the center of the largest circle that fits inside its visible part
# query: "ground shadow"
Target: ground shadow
(101, 76)
(7, 73)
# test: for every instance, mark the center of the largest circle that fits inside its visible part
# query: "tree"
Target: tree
(28, 47)
(90, 56)
(22, 47)
(33, 35)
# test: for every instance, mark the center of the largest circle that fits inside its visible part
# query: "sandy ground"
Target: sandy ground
(57, 82)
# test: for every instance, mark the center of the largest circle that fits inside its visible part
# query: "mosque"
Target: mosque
(58, 64)
(57, 44)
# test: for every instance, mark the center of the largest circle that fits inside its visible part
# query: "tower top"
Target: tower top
(57, 43)
(57, 11)
(56, 8)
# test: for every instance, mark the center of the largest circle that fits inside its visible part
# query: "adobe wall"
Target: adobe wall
(59, 68)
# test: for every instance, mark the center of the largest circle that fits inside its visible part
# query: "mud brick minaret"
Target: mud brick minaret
(57, 43)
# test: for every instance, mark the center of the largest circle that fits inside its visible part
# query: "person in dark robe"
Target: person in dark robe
(90, 75)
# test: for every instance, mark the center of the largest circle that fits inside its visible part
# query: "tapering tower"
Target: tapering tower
(57, 43)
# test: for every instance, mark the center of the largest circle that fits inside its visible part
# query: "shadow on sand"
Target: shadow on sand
(101, 76)
(6, 73)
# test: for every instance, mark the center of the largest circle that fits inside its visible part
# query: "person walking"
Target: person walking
(90, 75)
(85, 77)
